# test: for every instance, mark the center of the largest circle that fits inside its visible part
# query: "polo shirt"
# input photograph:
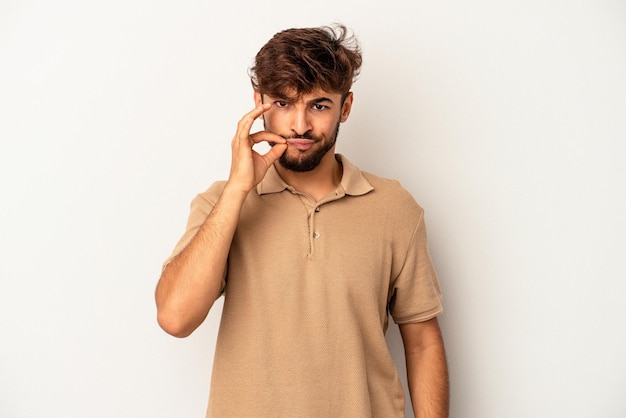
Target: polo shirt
(307, 293)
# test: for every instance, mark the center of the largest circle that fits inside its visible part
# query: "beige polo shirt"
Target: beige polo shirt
(307, 293)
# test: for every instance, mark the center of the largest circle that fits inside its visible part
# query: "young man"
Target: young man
(310, 254)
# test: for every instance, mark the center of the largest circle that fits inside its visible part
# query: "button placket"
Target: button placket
(315, 234)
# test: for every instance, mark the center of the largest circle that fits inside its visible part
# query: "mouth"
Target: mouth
(301, 144)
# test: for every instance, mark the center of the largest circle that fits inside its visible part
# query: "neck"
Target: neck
(318, 182)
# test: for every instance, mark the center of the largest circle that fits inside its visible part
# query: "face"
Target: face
(310, 125)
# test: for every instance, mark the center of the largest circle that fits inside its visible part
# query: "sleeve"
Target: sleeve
(416, 293)
(201, 206)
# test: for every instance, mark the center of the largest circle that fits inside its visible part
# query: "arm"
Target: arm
(427, 370)
(192, 281)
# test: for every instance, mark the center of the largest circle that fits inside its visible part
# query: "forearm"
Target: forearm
(427, 370)
(192, 281)
(428, 382)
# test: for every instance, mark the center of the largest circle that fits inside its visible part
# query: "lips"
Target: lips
(301, 144)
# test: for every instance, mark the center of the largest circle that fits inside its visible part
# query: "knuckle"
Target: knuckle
(246, 119)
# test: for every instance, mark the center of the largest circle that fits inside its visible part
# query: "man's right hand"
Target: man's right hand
(193, 279)
(248, 167)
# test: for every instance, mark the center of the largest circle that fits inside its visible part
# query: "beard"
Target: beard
(302, 162)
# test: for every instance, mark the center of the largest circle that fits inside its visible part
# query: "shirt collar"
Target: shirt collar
(352, 181)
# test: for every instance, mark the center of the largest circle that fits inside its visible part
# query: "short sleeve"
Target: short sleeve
(416, 293)
(200, 208)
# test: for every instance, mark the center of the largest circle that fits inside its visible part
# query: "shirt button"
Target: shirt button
(316, 234)
(317, 209)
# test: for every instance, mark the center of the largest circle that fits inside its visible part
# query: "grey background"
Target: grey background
(505, 119)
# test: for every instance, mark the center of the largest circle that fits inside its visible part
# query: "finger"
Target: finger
(265, 136)
(274, 153)
(245, 124)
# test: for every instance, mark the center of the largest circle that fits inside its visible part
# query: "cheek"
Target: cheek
(271, 123)
(330, 125)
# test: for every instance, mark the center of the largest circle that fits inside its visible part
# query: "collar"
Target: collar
(353, 182)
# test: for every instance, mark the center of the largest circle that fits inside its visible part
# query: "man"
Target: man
(310, 254)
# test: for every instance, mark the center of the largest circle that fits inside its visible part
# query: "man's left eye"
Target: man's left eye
(319, 107)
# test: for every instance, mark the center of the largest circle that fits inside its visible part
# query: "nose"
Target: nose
(301, 123)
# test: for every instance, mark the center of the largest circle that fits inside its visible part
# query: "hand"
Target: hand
(248, 167)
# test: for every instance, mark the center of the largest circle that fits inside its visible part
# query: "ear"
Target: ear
(347, 106)
(258, 98)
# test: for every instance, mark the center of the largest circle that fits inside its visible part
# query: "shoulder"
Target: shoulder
(209, 197)
(392, 194)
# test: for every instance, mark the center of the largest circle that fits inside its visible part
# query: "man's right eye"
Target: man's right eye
(281, 104)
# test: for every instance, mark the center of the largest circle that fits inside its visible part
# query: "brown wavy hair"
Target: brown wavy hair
(306, 59)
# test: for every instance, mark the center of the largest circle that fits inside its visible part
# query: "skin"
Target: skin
(427, 370)
(191, 283)
(317, 114)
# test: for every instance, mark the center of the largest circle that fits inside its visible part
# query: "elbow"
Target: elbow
(180, 313)
(173, 324)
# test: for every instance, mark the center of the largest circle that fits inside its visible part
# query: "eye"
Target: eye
(318, 106)
(280, 104)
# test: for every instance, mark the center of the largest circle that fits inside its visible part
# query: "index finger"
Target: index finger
(245, 124)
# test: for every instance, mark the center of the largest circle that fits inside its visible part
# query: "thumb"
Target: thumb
(274, 153)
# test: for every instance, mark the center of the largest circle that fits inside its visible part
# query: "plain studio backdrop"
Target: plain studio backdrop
(505, 120)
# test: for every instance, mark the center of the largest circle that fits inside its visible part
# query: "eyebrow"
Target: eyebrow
(320, 100)
(317, 100)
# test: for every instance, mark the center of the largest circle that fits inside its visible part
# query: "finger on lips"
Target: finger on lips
(266, 136)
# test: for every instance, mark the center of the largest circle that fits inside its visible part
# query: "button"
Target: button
(316, 234)
(317, 209)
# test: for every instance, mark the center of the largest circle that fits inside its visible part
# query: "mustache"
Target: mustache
(306, 135)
